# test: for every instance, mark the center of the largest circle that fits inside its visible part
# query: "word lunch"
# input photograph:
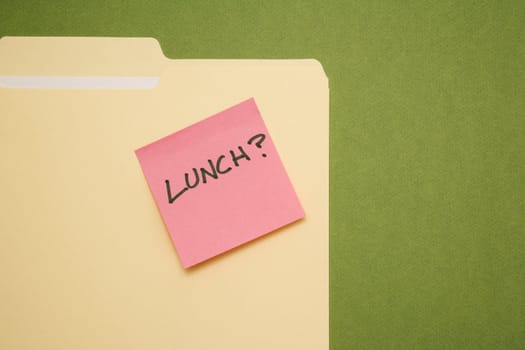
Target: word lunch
(222, 165)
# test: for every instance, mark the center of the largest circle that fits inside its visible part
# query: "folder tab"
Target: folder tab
(80, 56)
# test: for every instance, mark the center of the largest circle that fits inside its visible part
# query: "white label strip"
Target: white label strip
(51, 82)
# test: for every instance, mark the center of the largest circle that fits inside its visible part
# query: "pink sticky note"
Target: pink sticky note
(219, 183)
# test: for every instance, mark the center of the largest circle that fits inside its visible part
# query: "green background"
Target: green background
(427, 209)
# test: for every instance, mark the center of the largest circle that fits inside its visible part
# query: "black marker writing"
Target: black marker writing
(258, 144)
(239, 157)
(219, 160)
(215, 168)
(170, 198)
(212, 172)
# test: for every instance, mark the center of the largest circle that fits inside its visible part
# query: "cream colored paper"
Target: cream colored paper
(85, 260)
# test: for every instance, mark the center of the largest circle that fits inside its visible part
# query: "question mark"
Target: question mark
(258, 144)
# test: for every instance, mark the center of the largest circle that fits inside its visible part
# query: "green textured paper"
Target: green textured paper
(427, 215)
